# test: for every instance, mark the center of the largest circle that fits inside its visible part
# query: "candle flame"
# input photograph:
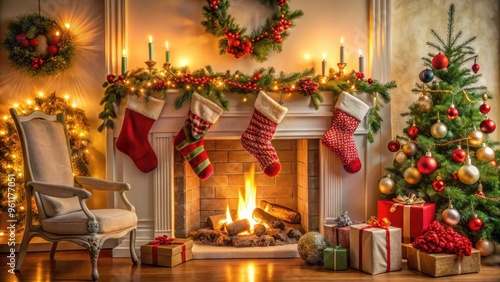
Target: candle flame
(360, 53)
(166, 45)
(342, 41)
(150, 39)
(124, 52)
(324, 56)
(307, 56)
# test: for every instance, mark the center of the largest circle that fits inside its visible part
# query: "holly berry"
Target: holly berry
(20, 37)
(308, 86)
(52, 50)
(25, 43)
(214, 4)
(370, 80)
(440, 61)
(34, 42)
(360, 75)
(110, 78)
(35, 66)
(484, 108)
(282, 3)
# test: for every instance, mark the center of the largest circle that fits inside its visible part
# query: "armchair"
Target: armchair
(63, 213)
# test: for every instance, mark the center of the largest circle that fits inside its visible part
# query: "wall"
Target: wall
(412, 22)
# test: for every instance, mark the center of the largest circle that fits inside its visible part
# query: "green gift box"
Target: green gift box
(335, 258)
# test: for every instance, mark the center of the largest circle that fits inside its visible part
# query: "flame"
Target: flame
(247, 202)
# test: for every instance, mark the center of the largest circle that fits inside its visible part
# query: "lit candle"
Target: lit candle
(150, 45)
(342, 50)
(361, 62)
(167, 53)
(55, 39)
(124, 61)
(323, 65)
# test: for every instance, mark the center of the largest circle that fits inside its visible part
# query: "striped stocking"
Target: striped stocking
(257, 137)
(190, 139)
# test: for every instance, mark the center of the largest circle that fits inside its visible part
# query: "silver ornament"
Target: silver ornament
(439, 130)
(468, 173)
(386, 185)
(485, 154)
(451, 216)
(400, 157)
(424, 103)
(475, 138)
(485, 247)
(410, 149)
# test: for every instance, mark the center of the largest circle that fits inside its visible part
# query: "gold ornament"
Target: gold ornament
(468, 173)
(410, 149)
(386, 185)
(485, 247)
(412, 175)
(400, 157)
(485, 154)
(424, 103)
(451, 216)
(439, 130)
(475, 138)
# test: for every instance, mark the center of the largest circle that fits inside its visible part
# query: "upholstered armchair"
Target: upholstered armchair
(62, 211)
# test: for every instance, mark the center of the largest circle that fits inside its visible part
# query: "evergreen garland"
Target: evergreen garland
(233, 38)
(455, 85)
(22, 41)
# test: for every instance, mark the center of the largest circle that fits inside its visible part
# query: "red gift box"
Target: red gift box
(411, 218)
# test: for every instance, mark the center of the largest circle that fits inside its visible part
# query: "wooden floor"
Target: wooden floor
(75, 266)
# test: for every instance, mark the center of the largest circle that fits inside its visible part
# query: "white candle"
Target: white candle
(323, 65)
(361, 62)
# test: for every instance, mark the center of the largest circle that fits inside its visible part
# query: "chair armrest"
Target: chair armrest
(100, 184)
(58, 191)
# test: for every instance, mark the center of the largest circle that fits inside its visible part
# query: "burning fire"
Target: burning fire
(247, 202)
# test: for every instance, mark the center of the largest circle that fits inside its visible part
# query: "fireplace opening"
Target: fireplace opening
(218, 203)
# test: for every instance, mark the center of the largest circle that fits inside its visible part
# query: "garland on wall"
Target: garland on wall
(234, 40)
(11, 156)
(39, 46)
(215, 85)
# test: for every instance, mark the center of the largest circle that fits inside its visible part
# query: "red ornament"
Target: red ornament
(487, 126)
(34, 42)
(493, 163)
(484, 108)
(394, 146)
(54, 41)
(52, 50)
(110, 78)
(475, 223)
(427, 164)
(438, 184)
(452, 112)
(440, 61)
(25, 43)
(455, 175)
(20, 37)
(370, 80)
(413, 132)
(475, 68)
(459, 155)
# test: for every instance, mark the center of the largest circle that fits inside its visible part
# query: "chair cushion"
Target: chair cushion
(50, 162)
(76, 222)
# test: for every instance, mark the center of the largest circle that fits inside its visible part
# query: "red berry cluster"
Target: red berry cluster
(282, 25)
(360, 75)
(282, 3)
(237, 46)
(214, 4)
(160, 85)
(307, 85)
(188, 78)
(37, 62)
(438, 238)
(111, 78)
(250, 85)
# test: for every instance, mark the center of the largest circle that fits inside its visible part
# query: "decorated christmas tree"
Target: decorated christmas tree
(445, 154)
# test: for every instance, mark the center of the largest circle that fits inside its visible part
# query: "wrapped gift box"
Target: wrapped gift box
(404, 249)
(335, 258)
(443, 264)
(170, 254)
(375, 250)
(337, 236)
(412, 219)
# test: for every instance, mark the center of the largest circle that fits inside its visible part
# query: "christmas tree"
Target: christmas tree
(445, 154)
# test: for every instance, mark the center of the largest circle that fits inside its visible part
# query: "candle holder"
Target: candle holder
(341, 68)
(166, 67)
(151, 64)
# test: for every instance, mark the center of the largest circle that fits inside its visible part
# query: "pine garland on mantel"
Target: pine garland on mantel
(215, 85)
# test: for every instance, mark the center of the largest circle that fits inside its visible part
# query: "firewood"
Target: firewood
(266, 241)
(241, 241)
(237, 227)
(268, 220)
(281, 212)
(293, 234)
(217, 222)
(259, 229)
(212, 237)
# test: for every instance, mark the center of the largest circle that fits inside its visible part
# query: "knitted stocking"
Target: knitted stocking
(257, 138)
(133, 139)
(190, 139)
(349, 111)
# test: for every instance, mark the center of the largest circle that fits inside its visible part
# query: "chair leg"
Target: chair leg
(94, 249)
(53, 250)
(133, 254)
(23, 249)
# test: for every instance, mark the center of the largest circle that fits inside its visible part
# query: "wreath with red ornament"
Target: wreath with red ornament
(233, 38)
(39, 46)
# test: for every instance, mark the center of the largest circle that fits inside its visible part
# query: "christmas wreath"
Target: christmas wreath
(232, 37)
(38, 46)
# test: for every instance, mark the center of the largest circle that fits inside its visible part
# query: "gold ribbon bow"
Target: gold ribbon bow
(412, 200)
(382, 223)
(162, 240)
